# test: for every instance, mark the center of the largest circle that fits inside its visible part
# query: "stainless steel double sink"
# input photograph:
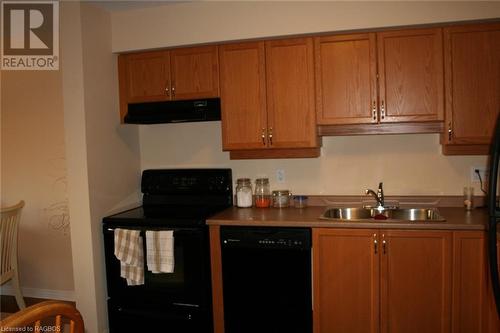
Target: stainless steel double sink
(387, 215)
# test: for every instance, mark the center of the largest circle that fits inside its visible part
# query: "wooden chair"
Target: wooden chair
(49, 316)
(10, 217)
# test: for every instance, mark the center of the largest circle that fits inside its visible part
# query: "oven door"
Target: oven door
(188, 286)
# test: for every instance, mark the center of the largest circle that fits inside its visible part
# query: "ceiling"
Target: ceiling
(120, 5)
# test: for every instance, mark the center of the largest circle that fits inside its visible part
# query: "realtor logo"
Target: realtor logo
(30, 35)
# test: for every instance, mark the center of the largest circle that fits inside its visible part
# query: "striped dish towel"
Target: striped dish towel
(160, 251)
(129, 250)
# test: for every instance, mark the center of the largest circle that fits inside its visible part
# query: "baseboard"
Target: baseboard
(63, 295)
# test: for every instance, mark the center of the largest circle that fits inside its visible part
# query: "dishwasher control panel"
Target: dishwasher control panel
(266, 237)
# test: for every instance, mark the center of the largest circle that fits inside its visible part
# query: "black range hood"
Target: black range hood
(173, 111)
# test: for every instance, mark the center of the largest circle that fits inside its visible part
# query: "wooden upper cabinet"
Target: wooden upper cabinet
(411, 75)
(185, 73)
(243, 96)
(146, 76)
(415, 281)
(290, 93)
(403, 68)
(194, 72)
(267, 96)
(472, 80)
(346, 79)
(345, 281)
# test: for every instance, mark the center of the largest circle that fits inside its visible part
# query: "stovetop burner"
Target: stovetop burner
(184, 216)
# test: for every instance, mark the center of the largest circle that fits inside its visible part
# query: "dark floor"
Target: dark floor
(8, 304)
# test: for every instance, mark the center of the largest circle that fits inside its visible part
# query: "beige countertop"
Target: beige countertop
(456, 219)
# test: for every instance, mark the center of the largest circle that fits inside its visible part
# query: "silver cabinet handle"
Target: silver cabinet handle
(375, 243)
(374, 111)
(173, 89)
(263, 136)
(382, 109)
(167, 90)
(384, 245)
(271, 136)
(450, 131)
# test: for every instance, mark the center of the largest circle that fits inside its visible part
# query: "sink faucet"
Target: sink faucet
(379, 196)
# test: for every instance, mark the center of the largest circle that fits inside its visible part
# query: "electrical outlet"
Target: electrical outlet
(482, 171)
(280, 175)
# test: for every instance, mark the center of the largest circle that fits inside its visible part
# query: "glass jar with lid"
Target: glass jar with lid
(281, 198)
(300, 201)
(243, 192)
(262, 193)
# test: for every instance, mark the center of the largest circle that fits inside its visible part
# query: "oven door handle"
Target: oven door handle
(155, 314)
(177, 231)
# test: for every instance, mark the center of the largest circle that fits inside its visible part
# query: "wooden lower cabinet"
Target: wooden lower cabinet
(345, 281)
(397, 281)
(470, 283)
(415, 281)
(369, 280)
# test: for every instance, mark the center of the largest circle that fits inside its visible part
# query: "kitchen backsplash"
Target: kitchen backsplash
(407, 164)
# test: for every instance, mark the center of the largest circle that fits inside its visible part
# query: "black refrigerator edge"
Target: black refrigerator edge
(494, 214)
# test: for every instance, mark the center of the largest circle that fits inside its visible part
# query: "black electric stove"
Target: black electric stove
(173, 199)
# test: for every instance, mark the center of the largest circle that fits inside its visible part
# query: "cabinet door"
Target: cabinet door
(415, 283)
(346, 79)
(411, 75)
(290, 93)
(195, 72)
(472, 69)
(345, 281)
(146, 76)
(470, 281)
(243, 96)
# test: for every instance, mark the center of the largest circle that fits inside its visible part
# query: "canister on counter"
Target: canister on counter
(300, 201)
(281, 198)
(243, 193)
(262, 193)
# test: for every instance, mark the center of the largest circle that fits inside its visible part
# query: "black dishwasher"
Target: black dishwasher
(266, 276)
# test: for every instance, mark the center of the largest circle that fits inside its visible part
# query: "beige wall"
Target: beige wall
(212, 21)
(33, 168)
(103, 157)
(112, 149)
(408, 164)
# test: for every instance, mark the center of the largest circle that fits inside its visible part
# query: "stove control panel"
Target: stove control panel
(186, 181)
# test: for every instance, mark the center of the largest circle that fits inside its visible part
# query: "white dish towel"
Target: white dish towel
(160, 251)
(129, 250)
